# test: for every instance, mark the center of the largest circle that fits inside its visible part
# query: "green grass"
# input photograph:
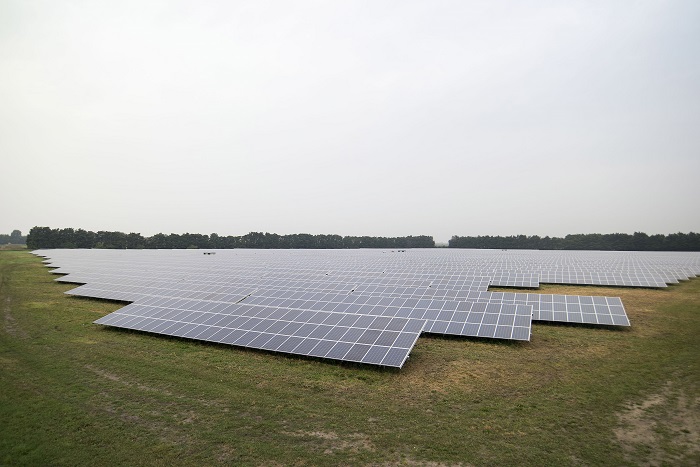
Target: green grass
(74, 393)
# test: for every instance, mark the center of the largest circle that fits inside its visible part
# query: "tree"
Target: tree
(135, 241)
(16, 237)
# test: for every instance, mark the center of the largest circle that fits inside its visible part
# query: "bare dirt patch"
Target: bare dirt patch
(331, 441)
(663, 428)
(417, 463)
(9, 322)
(118, 379)
(225, 453)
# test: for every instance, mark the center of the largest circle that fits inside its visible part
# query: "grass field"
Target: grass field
(12, 246)
(74, 393)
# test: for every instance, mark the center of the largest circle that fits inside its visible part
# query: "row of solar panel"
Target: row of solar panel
(510, 321)
(503, 280)
(541, 302)
(576, 275)
(365, 339)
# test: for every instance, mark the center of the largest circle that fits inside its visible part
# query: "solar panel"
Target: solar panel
(462, 318)
(564, 308)
(375, 340)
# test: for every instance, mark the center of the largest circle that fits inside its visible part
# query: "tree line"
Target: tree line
(639, 241)
(16, 238)
(46, 237)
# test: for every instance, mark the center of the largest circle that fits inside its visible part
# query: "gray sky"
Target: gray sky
(356, 118)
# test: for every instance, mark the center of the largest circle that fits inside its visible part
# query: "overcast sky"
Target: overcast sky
(357, 118)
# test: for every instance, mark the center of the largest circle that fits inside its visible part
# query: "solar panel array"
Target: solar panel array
(377, 340)
(563, 308)
(367, 306)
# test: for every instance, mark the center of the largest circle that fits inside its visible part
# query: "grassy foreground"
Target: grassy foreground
(74, 393)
